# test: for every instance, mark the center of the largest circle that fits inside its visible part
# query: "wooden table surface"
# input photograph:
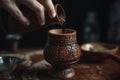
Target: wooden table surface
(107, 70)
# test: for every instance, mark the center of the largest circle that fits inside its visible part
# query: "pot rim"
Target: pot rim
(59, 31)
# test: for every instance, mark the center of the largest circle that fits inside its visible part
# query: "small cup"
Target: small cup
(62, 50)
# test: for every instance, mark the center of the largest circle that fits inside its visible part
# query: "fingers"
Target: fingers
(12, 8)
(49, 7)
(37, 8)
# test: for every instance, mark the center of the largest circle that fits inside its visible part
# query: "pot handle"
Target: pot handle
(115, 57)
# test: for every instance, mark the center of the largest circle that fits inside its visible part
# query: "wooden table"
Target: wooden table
(107, 70)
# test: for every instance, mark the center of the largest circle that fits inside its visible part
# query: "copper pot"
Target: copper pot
(61, 51)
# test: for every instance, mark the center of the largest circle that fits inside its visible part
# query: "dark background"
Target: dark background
(75, 16)
(76, 12)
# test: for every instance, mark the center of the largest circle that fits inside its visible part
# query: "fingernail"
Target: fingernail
(27, 23)
(42, 23)
(53, 15)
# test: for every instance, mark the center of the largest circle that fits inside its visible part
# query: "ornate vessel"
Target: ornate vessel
(61, 51)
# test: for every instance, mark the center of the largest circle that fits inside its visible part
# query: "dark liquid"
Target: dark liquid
(62, 25)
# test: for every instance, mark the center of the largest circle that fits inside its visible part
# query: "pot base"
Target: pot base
(62, 73)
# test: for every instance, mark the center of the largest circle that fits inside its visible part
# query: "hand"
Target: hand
(38, 6)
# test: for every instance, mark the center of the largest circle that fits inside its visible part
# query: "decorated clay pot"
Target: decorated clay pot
(61, 51)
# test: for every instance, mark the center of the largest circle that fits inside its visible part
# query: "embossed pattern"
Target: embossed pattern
(62, 50)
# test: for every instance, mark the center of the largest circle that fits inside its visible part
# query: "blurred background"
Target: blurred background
(93, 20)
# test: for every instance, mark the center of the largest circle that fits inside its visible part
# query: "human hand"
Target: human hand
(38, 6)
